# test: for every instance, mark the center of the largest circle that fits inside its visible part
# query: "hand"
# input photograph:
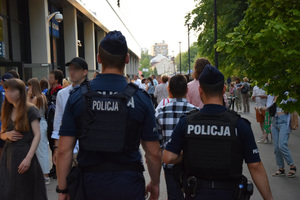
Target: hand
(62, 196)
(24, 166)
(154, 191)
(54, 156)
(13, 135)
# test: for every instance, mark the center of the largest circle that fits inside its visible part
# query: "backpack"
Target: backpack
(245, 89)
(294, 120)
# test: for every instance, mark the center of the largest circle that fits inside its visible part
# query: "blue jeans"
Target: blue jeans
(280, 135)
(173, 188)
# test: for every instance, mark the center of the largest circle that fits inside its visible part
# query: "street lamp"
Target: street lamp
(180, 56)
(58, 17)
(188, 25)
(216, 33)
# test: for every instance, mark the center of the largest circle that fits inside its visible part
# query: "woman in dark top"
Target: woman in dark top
(21, 177)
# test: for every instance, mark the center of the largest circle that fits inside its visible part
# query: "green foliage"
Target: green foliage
(229, 14)
(145, 63)
(268, 38)
(185, 58)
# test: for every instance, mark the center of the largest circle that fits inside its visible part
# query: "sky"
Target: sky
(152, 21)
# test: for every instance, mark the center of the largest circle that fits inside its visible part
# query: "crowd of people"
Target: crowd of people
(175, 120)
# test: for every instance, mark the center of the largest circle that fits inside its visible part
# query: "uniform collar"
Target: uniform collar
(213, 108)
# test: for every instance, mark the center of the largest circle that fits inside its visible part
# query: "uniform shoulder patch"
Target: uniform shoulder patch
(195, 110)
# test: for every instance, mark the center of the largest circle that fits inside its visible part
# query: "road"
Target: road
(282, 187)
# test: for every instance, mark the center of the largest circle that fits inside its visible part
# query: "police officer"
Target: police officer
(214, 143)
(110, 118)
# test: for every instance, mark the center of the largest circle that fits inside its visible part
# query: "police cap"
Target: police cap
(210, 75)
(115, 43)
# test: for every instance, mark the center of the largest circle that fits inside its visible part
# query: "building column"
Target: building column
(89, 45)
(39, 31)
(70, 33)
(100, 35)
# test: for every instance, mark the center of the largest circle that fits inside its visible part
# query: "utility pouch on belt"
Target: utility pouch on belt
(244, 189)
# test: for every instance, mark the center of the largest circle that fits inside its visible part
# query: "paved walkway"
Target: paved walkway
(282, 187)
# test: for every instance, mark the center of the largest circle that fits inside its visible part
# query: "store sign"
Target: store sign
(55, 27)
(2, 49)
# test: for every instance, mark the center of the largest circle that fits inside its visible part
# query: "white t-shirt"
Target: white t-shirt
(260, 102)
(138, 82)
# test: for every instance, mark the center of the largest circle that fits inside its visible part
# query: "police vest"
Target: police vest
(106, 125)
(211, 147)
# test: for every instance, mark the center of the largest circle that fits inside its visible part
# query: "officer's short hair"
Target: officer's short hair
(178, 86)
(110, 60)
(213, 89)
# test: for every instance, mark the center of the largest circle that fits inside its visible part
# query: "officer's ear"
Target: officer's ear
(224, 89)
(200, 91)
(127, 58)
(98, 59)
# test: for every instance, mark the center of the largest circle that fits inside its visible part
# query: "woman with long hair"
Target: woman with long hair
(20, 172)
(36, 97)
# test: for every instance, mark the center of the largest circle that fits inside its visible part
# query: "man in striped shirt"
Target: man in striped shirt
(166, 119)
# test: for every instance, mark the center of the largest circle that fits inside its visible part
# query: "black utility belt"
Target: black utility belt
(111, 166)
(212, 184)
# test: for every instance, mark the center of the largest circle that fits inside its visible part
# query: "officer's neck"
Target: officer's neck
(213, 100)
(112, 70)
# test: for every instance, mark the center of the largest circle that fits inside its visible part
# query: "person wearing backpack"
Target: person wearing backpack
(55, 81)
(245, 88)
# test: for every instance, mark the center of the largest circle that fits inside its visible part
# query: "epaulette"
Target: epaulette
(192, 111)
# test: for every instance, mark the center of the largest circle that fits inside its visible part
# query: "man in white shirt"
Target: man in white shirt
(260, 98)
(137, 81)
(78, 70)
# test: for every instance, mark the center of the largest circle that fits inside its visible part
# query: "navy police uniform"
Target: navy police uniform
(214, 142)
(111, 169)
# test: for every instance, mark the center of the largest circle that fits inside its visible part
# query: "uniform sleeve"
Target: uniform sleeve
(250, 150)
(57, 116)
(72, 110)
(149, 132)
(175, 144)
(33, 114)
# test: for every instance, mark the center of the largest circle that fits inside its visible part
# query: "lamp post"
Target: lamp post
(216, 33)
(180, 56)
(188, 25)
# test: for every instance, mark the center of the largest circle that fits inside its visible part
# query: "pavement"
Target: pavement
(283, 188)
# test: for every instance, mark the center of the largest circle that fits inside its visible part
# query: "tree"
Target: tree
(145, 63)
(267, 38)
(229, 14)
(185, 58)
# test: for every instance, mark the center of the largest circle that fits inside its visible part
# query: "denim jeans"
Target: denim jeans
(280, 135)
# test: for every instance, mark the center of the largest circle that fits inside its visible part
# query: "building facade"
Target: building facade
(159, 48)
(33, 44)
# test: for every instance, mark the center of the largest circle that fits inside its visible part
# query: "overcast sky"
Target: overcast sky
(152, 21)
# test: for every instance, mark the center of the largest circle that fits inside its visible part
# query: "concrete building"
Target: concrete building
(159, 48)
(33, 44)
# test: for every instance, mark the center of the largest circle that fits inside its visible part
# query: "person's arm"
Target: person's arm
(171, 158)
(64, 162)
(260, 179)
(56, 124)
(25, 164)
(154, 163)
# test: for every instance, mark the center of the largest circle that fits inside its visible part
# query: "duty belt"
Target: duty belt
(111, 166)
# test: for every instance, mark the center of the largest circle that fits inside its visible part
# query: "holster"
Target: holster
(75, 185)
